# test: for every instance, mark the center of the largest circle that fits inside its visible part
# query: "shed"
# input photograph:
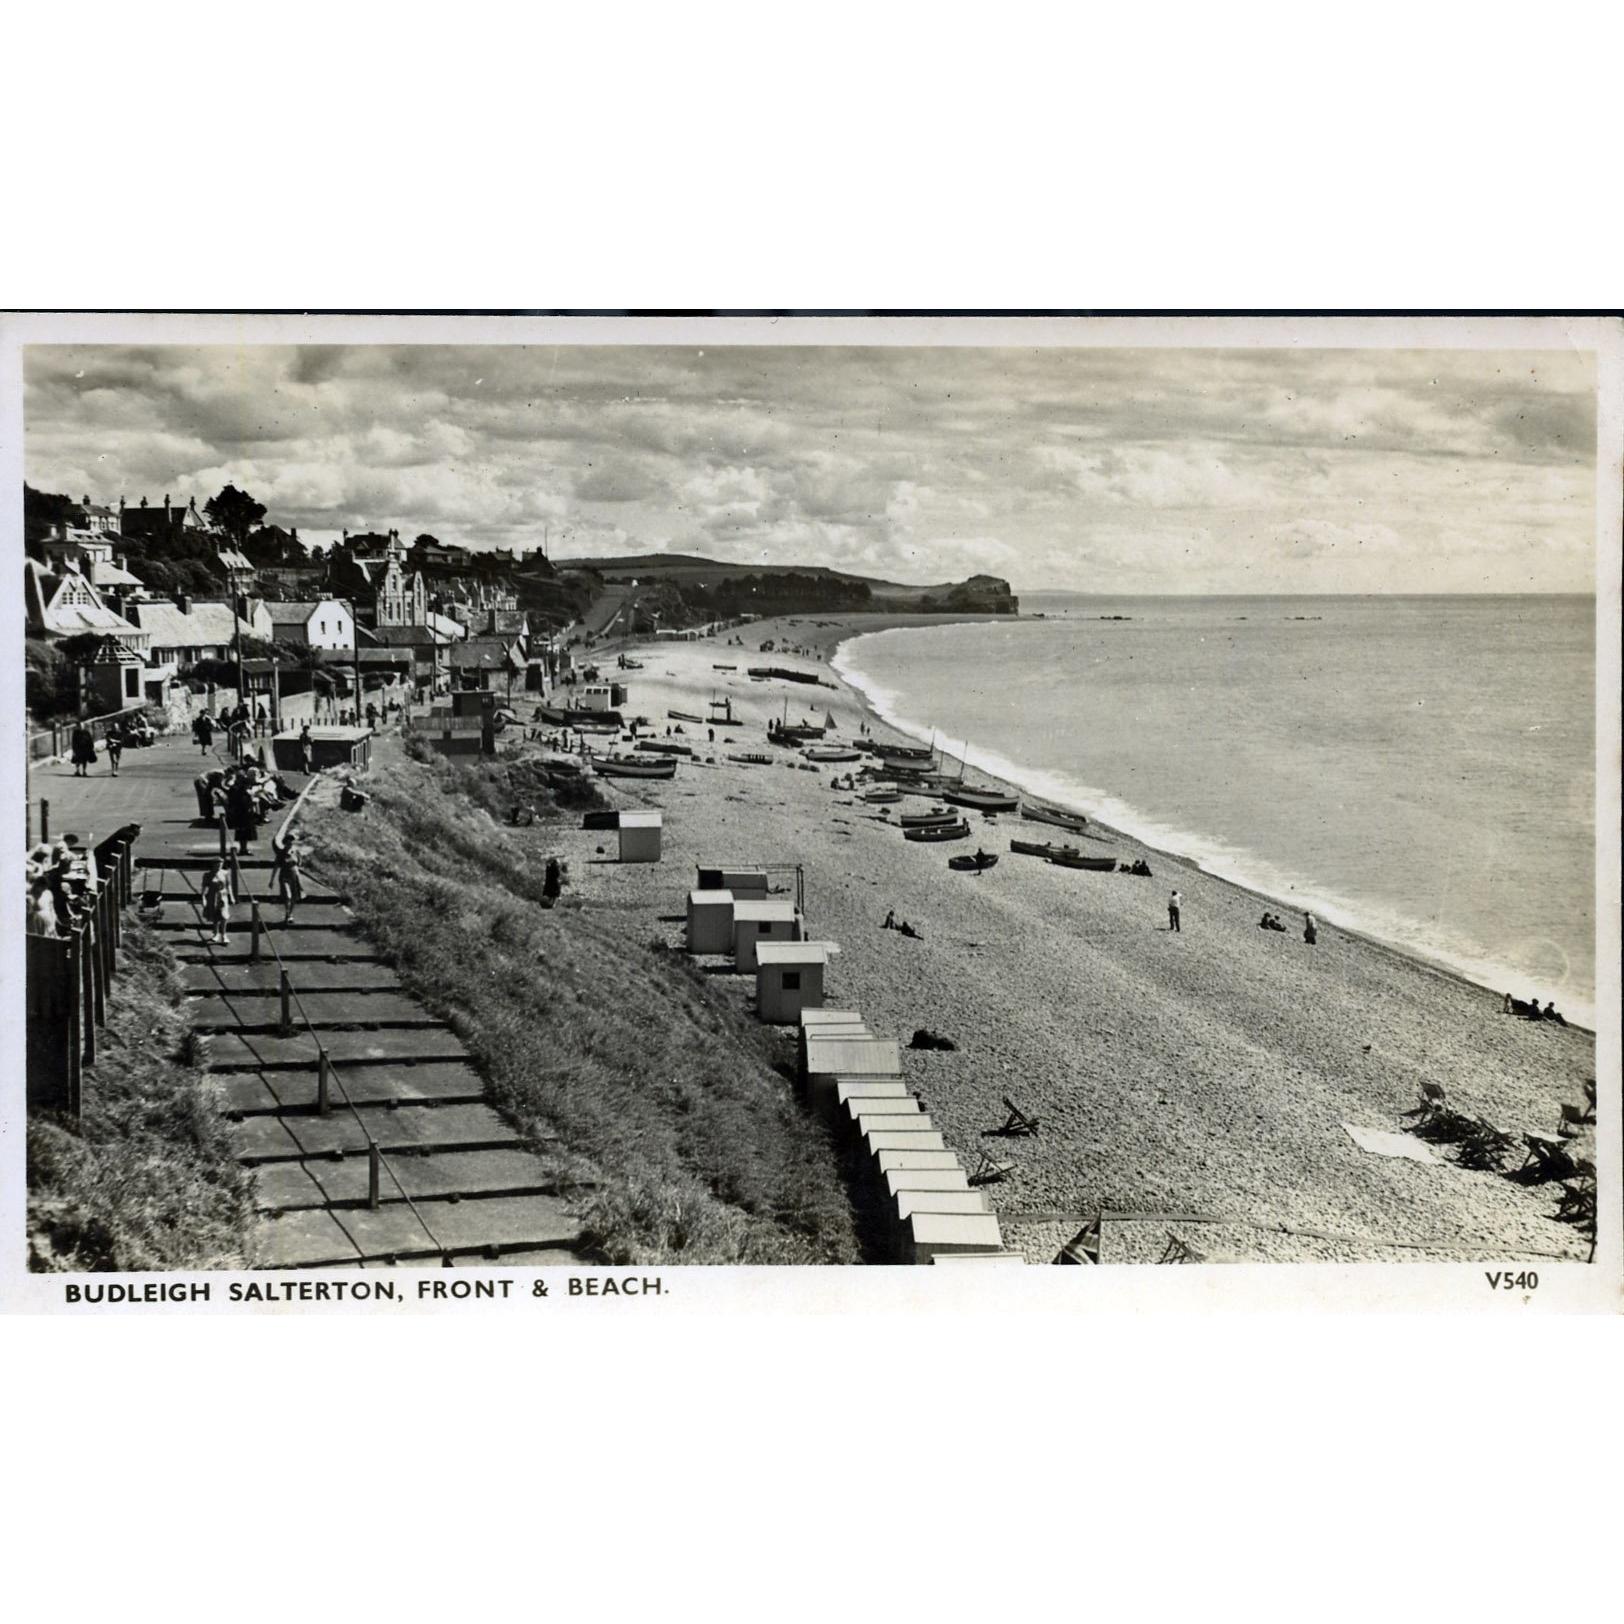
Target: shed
(640, 837)
(755, 922)
(710, 921)
(829, 1017)
(929, 1234)
(329, 747)
(789, 975)
(831, 1060)
(740, 881)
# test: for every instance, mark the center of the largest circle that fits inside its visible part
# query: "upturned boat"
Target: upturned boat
(957, 830)
(634, 766)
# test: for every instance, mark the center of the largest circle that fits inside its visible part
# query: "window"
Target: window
(132, 682)
(792, 981)
(324, 626)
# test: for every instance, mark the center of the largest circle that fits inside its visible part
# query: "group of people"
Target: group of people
(62, 884)
(1273, 921)
(115, 736)
(240, 797)
(1530, 1011)
(1138, 866)
(238, 723)
(904, 928)
(219, 895)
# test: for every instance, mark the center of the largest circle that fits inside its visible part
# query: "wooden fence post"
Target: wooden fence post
(45, 816)
(374, 1161)
(254, 930)
(76, 1044)
(87, 991)
(322, 1082)
(287, 1004)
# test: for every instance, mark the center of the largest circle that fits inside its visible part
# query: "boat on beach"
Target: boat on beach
(980, 800)
(1070, 857)
(830, 752)
(924, 820)
(1044, 849)
(1074, 821)
(659, 746)
(634, 767)
(977, 864)
(752, 758)
(570, 716)
(684, 716)
(879, 797)
(900, 752)
(956, 830)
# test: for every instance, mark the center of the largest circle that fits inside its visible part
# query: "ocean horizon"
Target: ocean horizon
(1417, 768)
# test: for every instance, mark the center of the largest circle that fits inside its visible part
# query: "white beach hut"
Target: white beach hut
(742, 882)
(789, 976)
(755, 922)
(908, 1160)
(832, 1059)
(877, 1138)
(640, 837)
(948, 1180)
(710, 921)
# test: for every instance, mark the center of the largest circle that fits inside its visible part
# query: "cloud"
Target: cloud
(1184, 469)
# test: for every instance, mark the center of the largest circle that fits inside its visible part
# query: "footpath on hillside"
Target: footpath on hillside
(360, 1114)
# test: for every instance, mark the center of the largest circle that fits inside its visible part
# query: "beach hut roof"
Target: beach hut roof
(829, 1017)
(853, 1057)
(762, 913)
(705, 899)
(792, 953)
(640, 820)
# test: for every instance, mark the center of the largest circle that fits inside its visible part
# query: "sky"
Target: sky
(1085, 469)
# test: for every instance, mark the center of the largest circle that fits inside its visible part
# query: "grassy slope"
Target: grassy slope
(606, 1049)
(145, 1179)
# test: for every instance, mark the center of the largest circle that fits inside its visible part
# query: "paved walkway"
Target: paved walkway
(400, 1078)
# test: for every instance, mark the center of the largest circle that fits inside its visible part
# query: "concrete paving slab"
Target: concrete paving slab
(502, 1223)
(312, 975)
(226, 1012)
(322, 1182)
(417, 1127)
(256, 1051)
(307, 916)
(439, 1082)
(294, 946)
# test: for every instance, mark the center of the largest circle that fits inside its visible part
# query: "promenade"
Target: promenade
(455, 1182)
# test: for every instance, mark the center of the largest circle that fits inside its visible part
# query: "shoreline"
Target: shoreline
(1335, 913)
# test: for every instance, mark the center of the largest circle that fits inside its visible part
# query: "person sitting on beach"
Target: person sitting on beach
(1266, 922)
(891, 920)
(907, 930)
(1551, 1014)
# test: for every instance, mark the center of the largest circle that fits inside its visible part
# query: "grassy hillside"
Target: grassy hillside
(145, 1178)
(644, 1093)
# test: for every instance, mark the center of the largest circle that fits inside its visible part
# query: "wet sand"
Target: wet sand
(1198, 1079)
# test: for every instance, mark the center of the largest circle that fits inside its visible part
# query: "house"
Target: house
(63, 602)
(91, 553)
(99, 521)
(438, 555)
(143, 523)
(789, 978)
(184, 631)
(325, 623)
(429, 654)
(114, 678)
(640, 837)
(486, 662)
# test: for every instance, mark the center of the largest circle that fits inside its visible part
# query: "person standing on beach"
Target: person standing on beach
(1173, 913)
(115, 746)
(1310, 933)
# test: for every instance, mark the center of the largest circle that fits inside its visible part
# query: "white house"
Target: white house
(326, 623)
(184, 631)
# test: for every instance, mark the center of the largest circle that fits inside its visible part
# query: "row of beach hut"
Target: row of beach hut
(848, 1075)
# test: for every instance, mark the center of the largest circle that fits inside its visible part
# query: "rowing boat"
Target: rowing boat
(1071, 858)
(973, 865)
(883, 796)
(926, 820)
(957, 830)
(830, 752)
(980, 800)
(1074, 821)
(1034, 848)
(634, 767)
(660, 747)
(684, 716)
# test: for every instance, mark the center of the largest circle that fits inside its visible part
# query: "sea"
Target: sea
(1421, 769)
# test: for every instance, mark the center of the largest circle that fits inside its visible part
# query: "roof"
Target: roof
(403, 636)
(852, 1057)
(701, 899)
(761, 912)
(234, 560)
(829, 1017)
(640, 820)
(206, 625)
(790, 953)
(296, 614)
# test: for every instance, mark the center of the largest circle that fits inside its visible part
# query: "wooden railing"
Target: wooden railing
(69, 978)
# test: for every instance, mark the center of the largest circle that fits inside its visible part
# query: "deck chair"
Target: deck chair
(1484, 1146)
(1577, 1203)
(1574, 1121)
(1546, 1158)
(1084, 1246)
(1178, 1251)
(1433, 1101)
(1590, 1099)
(989, 1170)
(1018, 1125)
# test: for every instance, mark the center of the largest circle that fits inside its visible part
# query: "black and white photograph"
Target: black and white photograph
(593, 799)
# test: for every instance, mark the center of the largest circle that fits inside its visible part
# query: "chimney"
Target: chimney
(121, 507)
(183, 602)
(166, 506)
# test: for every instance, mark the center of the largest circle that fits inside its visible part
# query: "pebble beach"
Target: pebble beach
(1192, 1084)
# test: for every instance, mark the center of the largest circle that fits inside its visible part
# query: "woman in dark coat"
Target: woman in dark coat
(240, 811)
(84, 750)
(203, 732)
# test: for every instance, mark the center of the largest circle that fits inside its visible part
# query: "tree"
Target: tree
(234, 512)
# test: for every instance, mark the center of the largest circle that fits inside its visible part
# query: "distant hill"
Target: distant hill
(710, 585)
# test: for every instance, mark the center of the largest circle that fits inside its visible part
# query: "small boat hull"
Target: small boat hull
(1045, 849)
(831, 753)
(936, 832)
(928, 820)
(1067, 859)
(631, 767)
(973, 865)
(684, 716)
(1074, 821)
(980, 800)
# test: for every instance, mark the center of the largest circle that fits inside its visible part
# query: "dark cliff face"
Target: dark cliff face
(980, 595)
